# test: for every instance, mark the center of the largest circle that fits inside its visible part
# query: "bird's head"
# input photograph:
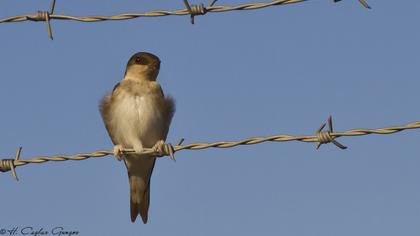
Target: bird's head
(143, 66)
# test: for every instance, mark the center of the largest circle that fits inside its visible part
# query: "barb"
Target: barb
(9, 164)
(191, 10)
(363, 2)
(325, 137)
(43, 16)
(169, 150)
(195, 10)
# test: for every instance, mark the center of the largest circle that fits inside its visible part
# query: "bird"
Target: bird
(137, 115)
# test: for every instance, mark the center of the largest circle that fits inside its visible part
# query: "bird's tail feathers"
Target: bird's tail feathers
(139, 198)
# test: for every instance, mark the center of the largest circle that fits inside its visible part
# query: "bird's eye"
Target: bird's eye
(138, 60)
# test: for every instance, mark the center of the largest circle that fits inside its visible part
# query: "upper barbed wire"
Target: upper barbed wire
(191, 9)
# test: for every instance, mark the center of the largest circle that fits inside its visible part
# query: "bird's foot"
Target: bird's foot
(118, 152)
(159, 148)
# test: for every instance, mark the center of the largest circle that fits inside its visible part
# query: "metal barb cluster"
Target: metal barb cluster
(363, 2)
(192, 10)
(44, 16)
(9, 164)
(169, 150)
(195, 10)
(326, 137)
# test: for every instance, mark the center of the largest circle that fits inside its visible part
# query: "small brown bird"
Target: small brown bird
(137, 115)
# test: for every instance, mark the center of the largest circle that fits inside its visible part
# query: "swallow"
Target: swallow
(137, 115)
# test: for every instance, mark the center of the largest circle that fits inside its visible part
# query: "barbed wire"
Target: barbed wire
(191, 9)
(321, 137)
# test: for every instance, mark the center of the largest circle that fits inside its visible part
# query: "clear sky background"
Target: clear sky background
(279, 70)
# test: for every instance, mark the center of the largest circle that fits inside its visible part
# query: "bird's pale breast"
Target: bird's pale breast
(138, 118)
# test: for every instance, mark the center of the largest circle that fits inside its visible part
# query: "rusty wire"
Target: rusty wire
(191, 9)
(321, 137)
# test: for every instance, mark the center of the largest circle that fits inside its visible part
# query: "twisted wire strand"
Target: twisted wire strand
(192, 10)
(321, 138)
(157, 13)
(288, 138)
(248, 6)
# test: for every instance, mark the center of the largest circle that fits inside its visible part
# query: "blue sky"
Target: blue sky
(279, 70)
